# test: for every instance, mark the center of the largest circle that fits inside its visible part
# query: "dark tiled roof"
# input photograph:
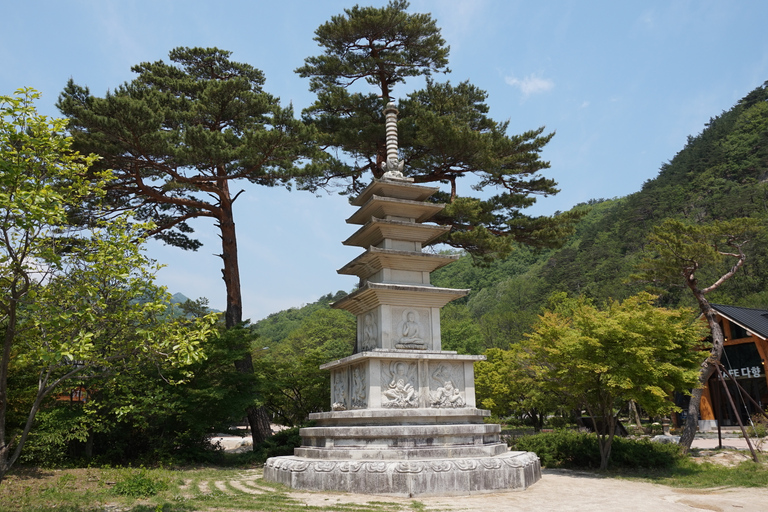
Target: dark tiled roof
(755, 320)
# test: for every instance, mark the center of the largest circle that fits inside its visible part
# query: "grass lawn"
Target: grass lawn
(689, 474)
(155, 490)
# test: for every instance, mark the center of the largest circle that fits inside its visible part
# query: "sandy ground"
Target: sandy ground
(565, 490)
(562, 491)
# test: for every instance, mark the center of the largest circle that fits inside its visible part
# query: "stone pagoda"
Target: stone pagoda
(403, 417)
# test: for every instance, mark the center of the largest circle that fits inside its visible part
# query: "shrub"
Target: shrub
(570, 449)
(279, 444)
(759, 427)
(139, 484)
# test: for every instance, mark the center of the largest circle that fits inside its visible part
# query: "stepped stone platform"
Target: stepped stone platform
(403, 417)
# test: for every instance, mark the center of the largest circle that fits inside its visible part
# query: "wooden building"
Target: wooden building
(744, 356)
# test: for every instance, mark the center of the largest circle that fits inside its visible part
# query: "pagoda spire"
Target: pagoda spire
(393, 167)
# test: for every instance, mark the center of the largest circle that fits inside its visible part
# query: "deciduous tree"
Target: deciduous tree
(598, 359)
(291, 383)
(73, 304)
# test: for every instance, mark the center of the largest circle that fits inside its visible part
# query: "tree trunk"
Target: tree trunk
(707, 367)
(231, 271)
(634, 415)
(6, 458)
(258, 417)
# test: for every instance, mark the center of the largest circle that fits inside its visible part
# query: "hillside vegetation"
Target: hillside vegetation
(721, 173)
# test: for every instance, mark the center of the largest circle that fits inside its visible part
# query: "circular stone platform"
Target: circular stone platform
(446, 476)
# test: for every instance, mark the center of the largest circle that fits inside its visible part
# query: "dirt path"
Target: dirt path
(563, 491)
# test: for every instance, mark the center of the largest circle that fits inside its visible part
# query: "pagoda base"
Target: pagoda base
(409, 478)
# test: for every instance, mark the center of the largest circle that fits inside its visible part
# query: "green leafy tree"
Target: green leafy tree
(157, 412)
(507, 387)
(445, 132)
(682, 254)
(74, 305)
(178, 138)
(597, 360)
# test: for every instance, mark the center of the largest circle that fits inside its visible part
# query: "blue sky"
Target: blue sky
(621, 83)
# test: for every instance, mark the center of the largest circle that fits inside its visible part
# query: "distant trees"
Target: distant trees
(290, 382)
(680, 254)
(74, 304)
(445, 134)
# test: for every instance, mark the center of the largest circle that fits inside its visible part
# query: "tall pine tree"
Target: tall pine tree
(178, 138)
(445, 134)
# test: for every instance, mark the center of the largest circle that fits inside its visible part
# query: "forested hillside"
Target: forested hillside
(720, 174)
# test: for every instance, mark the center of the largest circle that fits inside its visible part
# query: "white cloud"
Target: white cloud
(531, 84)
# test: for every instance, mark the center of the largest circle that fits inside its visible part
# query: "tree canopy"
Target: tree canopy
(179, 136)
(598, 359)
(74, 304)
(445, 133)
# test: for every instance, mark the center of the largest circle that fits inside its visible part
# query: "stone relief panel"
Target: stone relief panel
(411, 329)
(339, 392)
(448, 384)
(400, 392)
(359, 387)
(370, 332)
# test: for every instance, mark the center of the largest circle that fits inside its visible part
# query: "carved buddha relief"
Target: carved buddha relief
(411, 332)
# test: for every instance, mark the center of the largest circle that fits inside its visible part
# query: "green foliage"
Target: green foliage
(278, 445)
(56, 428)
(139, 484)
(459, 331)
(599, 359)
(290, 382)
(179, 135)
(369, 43)
(76, 304)
(276, 327)
(570, 449)
(445, 133)
(184, 128)
(506, 387)
(149, 415)
(679, 252)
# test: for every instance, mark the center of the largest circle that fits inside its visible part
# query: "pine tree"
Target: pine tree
(445, 134)
(679, 254)
(178, 137)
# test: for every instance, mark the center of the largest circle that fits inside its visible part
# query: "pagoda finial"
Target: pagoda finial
(393, 167)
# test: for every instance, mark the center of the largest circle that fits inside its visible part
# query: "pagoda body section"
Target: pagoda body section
(399, 363)
(403, 416)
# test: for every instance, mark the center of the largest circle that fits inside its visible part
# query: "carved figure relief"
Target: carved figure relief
(339, 402)
(411, 331)
(370, 332)
(400, 392)
(359, 389)
(447, 394)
